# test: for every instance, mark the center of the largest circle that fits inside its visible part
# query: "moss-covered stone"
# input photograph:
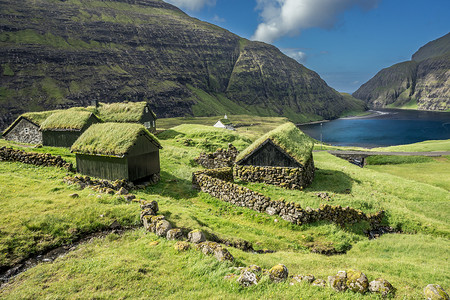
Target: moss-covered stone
(357, 281)
(338, 282)
(222, 254)
(381, 286)
(162, 227)
(182, 246)
(278, 273)
(435, 292)
(302, 278)
(174, 234)
(248, 278)
(319, 282)
(196, 236)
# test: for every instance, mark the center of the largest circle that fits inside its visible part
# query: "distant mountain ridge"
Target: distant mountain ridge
(422, 83)
(58, 54)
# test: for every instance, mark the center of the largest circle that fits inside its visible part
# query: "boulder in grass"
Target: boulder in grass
(153, 205)
(247, 279)
(435, 292)
(196, 237)
(208, 248)
(278, 273)
(147, 212)
(151, 221)
(174, 234)
(381, 286)
(338, 282)
(319, 282)
(357, 281)
(182, 246)
(222, 254)
(302, 278)
(162, 227)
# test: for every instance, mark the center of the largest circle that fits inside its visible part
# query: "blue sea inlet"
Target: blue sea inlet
(385, 127)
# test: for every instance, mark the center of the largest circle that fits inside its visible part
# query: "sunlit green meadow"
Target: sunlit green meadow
(38, 214)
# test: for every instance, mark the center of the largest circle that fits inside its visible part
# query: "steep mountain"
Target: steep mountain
(63, 53)
(422, 83)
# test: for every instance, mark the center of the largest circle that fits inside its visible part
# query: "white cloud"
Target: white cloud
(289, 17)
(295, 54)
(218, 19)
(192, 5)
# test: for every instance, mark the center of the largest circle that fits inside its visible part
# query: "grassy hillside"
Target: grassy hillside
(132, 265)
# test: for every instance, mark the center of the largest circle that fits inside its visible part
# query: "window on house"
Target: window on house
(146, 110)
(26, 130)
(153, 124)
(147, 124)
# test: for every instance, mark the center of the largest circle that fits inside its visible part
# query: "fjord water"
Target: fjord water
(386, 127)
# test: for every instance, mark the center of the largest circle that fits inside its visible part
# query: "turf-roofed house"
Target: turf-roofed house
(63, 128)
(128, 112)
(281, 157)
(25, 129)
(118, 151)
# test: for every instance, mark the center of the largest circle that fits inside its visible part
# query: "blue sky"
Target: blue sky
(346, 41)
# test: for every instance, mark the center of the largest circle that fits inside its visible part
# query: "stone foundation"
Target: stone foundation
(290, 178)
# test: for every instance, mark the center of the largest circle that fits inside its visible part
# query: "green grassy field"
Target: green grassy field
(38, 213)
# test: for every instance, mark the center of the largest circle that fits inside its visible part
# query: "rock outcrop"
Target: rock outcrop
(422, 83)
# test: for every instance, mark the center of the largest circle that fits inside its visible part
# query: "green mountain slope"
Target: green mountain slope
(422, 83)
(56, 54)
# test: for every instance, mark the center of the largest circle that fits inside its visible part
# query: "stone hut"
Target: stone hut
(281, 157)
(25, 129)
(63, 128)
(224, 123)
(118, 151)
(128, 112)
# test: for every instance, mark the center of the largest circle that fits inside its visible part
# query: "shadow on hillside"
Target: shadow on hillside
(168, 134)
(171, 186)
(331, 181)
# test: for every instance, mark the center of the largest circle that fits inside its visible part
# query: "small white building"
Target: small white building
(224, 123)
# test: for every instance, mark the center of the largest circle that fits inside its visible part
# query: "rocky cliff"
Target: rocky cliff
(56, 54)
(422, 83)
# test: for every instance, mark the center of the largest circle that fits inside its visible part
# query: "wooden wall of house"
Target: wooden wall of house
(111, 168)
(270, 155)
(60, 138)
(144, 165)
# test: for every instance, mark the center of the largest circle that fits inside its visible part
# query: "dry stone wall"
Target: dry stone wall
(213, 183)
(290, 178)
(220, 159)
(33, 158)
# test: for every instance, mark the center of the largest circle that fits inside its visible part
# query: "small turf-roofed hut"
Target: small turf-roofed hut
(128, 112)
(118, 151)
(282, 157)
(25, 129)
(63, 128)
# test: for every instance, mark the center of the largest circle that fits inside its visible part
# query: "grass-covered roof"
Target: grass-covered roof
(225, 121)
(71, 119)
(123, 112)
(110, 139)
(36, 117)
(289, 138)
